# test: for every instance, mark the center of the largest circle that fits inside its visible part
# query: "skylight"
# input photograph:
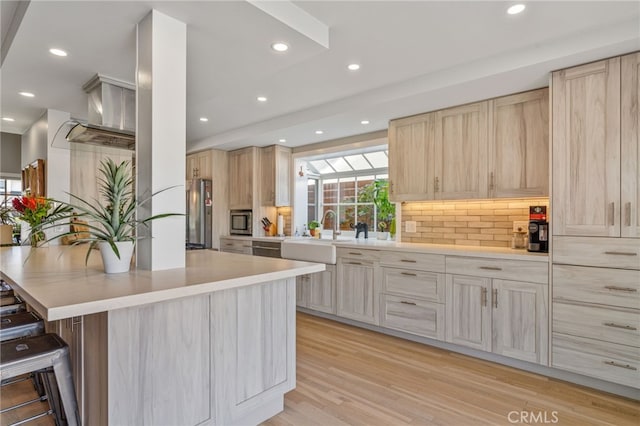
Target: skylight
(350, 163)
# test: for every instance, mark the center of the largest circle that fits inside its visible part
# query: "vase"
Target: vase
(383, 235)
(113, 264)
(35, 238)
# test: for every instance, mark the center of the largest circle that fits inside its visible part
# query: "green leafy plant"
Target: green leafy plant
(313, 225)
(378, 193)
(112, 220)
(6, 215)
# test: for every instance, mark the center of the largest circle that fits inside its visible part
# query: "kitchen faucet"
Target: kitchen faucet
(335, 223)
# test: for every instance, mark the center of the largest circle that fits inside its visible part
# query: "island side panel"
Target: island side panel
(254, 347)
(159, 364)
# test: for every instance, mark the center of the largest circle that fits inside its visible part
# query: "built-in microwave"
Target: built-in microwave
(240, 222)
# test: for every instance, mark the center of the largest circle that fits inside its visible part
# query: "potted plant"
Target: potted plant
(378, 193)
(6, 224)
(312, 227)
(111, 223)
(37, 211)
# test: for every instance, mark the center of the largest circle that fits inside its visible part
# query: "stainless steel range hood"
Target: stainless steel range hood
(111, 116)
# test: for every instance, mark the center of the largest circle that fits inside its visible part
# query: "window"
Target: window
(9, 189)
(312, 199)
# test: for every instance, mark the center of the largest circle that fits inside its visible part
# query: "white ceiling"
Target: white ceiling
(415, 57)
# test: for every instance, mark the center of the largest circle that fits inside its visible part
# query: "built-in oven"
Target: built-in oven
(267, 248)
(240, 222)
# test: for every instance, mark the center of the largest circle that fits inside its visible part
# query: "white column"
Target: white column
(161, 137)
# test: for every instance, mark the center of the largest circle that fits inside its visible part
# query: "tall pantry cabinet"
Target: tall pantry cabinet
(595, 223)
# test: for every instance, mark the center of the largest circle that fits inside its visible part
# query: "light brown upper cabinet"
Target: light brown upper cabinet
(519, 145)
(492, 149)
(595, 149)
(275, 166)
(242, 164)
(411, 158)
(199, 165)
(461, 152)
(630, 145)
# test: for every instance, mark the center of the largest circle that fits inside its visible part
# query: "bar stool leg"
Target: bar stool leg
(64, 378)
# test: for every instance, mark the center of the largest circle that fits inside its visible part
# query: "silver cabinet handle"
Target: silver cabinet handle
(491, 184)
(614, 325)
(483, 297)
(353, 263)
(436, 185)
(615, 364)
(491, 268)
(409, 274)
(612, 212)
(621, 253)
(616, 288)
(407, 303)
(408, 261)
(494, 296)
(627, 214)
(356, 253)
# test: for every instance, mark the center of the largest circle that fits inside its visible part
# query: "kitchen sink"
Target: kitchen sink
(310, 250)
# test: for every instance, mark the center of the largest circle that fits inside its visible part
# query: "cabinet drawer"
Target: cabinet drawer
(235, 246)
(412, 283)
(603, 252)
(413, 316)
(605, 324)
(615, 287)
(607, 361)
(423, 261)
(516, 270)
(354, 253)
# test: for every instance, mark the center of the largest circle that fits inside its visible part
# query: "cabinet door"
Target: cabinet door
(302, 290)
(71, 331)
(586, 150)
(630, 145)
(468, 311)
(356, 291)
(411, 158)
(191, 171)
(204, 165)
(282, 176)
(322, 290)
(519, 146)
(267, 176)
(520, 320)
(461, 152)
(241, 169)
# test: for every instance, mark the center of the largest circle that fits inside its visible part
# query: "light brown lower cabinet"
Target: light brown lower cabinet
(412, 316)
(357, 296)
(317, 291)
(502, 316)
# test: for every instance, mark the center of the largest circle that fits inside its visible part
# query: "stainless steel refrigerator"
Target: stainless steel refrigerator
(199, 214)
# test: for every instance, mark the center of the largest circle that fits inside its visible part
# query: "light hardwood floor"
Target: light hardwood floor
(351, 376)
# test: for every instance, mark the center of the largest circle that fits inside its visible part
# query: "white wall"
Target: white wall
(10, 153)
(34, 142)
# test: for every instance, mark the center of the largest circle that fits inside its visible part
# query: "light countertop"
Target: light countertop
(56, 282)
(446, 249)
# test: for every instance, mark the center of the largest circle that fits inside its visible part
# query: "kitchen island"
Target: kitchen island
(211, 343)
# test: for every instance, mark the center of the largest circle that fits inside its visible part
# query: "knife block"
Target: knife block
(271, 232)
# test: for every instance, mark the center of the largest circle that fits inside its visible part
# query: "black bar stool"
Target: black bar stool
(47, 354)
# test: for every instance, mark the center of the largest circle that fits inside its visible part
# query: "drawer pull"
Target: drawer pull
(407, 303)
(353, 263)
(356, 253)
(621, 253)
(409, 274)
(615, 364)
(491, 268)
(615, 288)
(614, 325)
(408, 261)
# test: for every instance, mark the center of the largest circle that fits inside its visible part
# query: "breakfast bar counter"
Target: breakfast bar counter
(211, 343)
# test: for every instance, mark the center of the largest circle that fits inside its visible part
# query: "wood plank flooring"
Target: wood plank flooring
(351, 376)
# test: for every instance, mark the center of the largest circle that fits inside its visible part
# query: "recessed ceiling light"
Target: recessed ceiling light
(27, 94)
(515, 9)
(58, 52)
(364, 122)
(280, 47)
(204, 119)
(262, 99)
(282, 140)
(8, 119)
(319, 132)
(353, 67)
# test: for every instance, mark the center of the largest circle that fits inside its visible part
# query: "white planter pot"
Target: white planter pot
(113, 264)
(383, 235)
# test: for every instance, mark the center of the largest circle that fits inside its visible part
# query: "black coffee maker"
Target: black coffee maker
(538, 230)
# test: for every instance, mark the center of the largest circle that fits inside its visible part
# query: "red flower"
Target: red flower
(17, 204)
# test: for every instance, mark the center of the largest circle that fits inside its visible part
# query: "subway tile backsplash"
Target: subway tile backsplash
(470, 223)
